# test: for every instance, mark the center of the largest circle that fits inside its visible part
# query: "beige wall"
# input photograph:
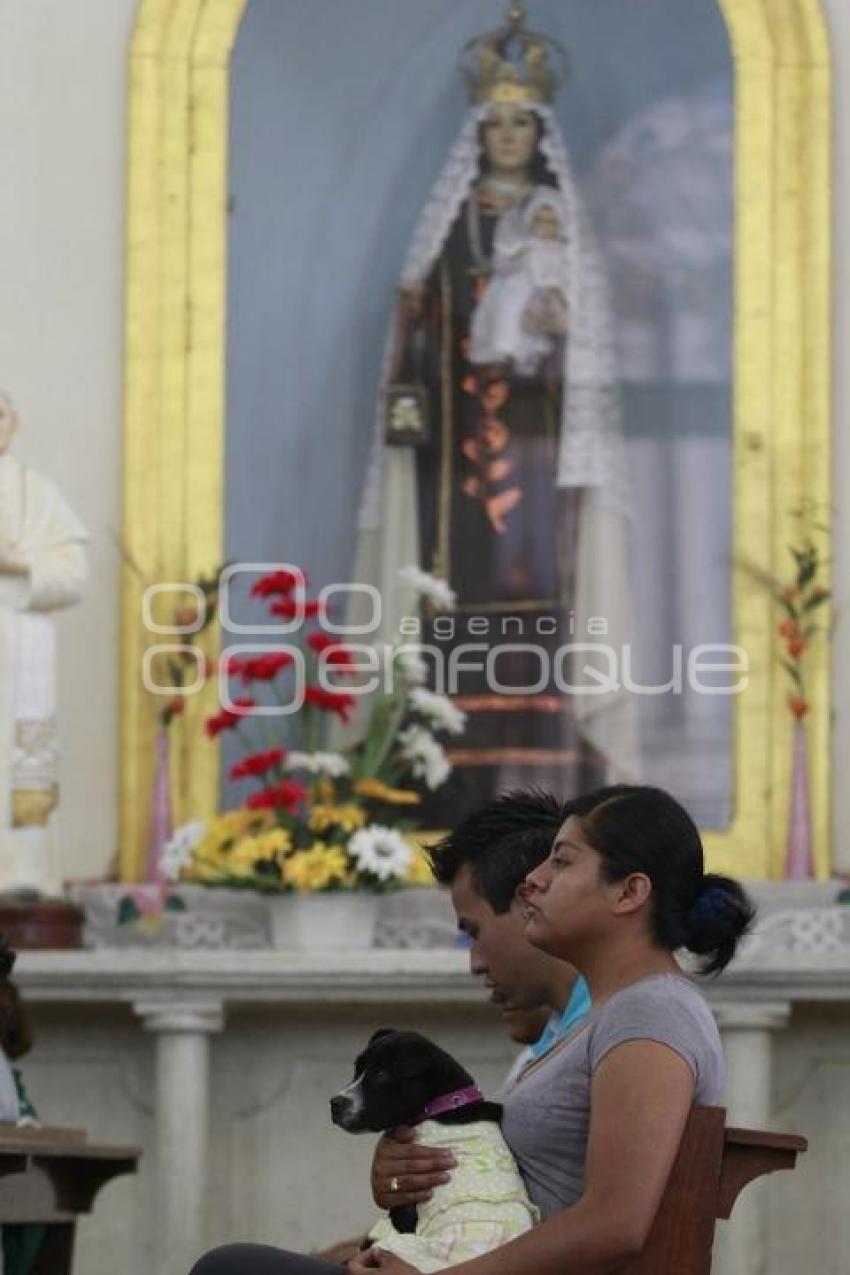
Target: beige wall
(62, 123)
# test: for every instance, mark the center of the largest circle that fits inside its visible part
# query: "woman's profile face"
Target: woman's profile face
(510, 136)
(566, 900)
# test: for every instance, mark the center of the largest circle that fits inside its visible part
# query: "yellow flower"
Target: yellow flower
(241, 858)
(151, 923)
(348, 817)
(325, 790)
(419, 872)
(379, 791)
(316, 868)
(274, 844)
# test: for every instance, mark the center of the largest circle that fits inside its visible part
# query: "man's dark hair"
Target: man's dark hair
(501, 842)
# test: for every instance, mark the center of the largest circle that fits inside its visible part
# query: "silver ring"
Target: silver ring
(394, 1185)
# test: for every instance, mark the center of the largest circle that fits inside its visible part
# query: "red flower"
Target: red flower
(332, 652)
(227, 718)
(277, 582)
(799, 707)
(789, 593)
(257, 764)
(287, 609)
(260, 668)
(330, 701)
(287, 795)
(176, 705)
(788, 629)
(796, 647)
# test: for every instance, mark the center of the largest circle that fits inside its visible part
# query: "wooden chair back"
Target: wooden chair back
(713, 1165)
(48, 1177)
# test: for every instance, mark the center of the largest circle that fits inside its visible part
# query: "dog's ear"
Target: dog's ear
(382, 1031)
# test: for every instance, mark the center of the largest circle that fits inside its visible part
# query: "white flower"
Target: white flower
(426, 757)
(177, 853)
(414, 670)
(427, 586)
(381, 851)
(333, 764)
(438, 710)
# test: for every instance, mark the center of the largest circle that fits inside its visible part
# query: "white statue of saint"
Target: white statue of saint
(43, 568)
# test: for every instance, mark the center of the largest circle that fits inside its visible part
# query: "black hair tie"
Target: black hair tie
(712, 905)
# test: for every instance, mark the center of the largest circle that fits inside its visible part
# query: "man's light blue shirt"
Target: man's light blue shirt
(576, 1009)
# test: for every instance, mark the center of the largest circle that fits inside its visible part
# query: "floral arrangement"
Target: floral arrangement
(314, 819)
(800, 600)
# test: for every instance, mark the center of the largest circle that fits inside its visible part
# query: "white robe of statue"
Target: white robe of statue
(42, 569)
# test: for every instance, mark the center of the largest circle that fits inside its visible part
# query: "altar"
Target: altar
(220, 1063)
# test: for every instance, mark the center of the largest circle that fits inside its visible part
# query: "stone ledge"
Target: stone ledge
(385, 976)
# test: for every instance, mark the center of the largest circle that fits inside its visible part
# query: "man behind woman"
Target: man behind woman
(596, 1122)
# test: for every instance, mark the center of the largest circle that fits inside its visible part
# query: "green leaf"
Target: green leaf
(175, 903)
(128, 911)
(792, 670)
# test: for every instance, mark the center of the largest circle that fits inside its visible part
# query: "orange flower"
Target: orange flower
(788, 629)
(495, 396)
(799, 706)
(789, 593)
(186, 617)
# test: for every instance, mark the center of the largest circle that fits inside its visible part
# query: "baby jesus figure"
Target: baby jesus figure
(524, 310)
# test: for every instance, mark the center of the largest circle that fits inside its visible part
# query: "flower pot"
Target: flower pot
(161, 825)
(341, 920)
(799, 851)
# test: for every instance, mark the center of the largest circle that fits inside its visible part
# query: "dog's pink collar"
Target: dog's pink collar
(452, 1102)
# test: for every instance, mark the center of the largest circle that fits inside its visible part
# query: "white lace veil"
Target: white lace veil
(591, 452)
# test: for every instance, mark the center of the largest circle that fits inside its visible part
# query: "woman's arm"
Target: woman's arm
(640, 1098)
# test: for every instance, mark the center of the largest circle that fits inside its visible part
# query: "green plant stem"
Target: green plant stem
(395, 708)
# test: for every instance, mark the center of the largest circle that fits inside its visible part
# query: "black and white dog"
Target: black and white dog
(402, 1078)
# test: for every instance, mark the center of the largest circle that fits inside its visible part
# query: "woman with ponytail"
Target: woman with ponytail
(596, 1123)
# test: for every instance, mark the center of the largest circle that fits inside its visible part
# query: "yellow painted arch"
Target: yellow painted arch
(175, 380)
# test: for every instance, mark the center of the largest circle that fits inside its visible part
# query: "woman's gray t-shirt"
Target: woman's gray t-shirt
(547, 1107)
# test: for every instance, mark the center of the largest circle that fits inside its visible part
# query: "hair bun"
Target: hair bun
(719, 917)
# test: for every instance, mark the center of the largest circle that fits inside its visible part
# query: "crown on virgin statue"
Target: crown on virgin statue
(514, 64)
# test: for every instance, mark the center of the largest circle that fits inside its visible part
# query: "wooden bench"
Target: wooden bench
(49, 1176)
(713, 1165)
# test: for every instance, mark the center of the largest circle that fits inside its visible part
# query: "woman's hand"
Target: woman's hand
(404, 1172)
(372, 1259)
